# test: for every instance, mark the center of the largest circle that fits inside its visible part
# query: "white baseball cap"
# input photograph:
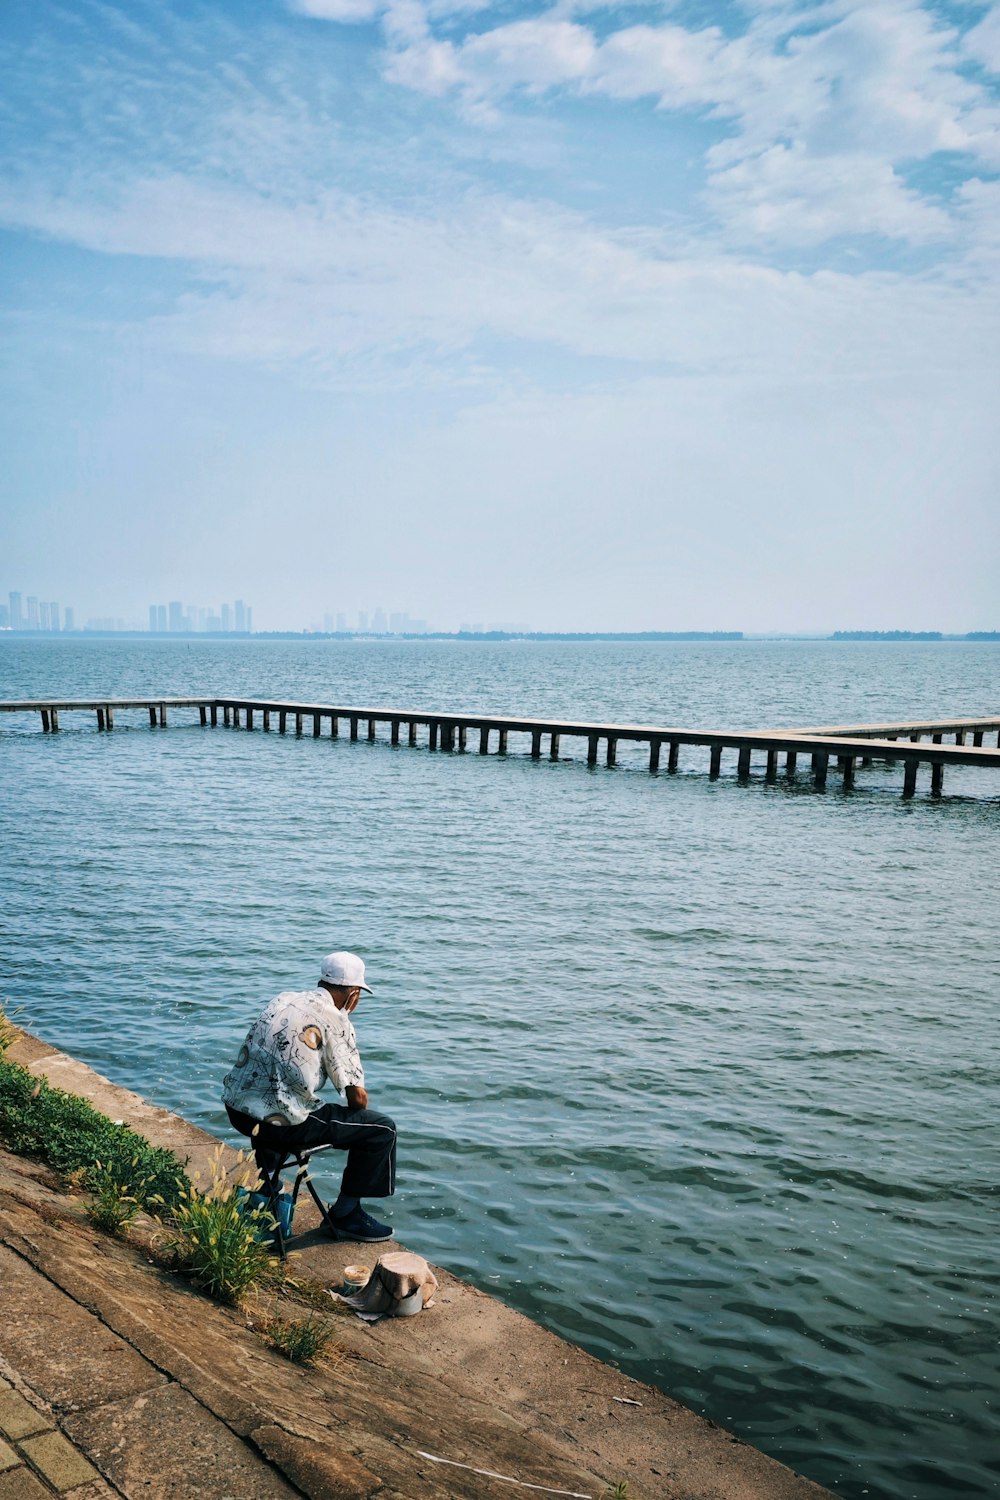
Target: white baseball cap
(346, 970)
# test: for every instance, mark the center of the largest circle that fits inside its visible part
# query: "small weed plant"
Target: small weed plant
(302, 1340)
(8, 1031)
(619, 1491)
(217, 1240)
(113, 1207)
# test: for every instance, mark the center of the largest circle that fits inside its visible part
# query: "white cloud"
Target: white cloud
(339, 10)
(782, 194)
(823, 102)
(982, 43)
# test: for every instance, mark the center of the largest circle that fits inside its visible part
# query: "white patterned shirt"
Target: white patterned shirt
(299, 1042)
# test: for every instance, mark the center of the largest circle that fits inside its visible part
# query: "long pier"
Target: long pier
(911, 743)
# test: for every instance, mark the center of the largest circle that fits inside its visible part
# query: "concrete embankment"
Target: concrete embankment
(127, 1382)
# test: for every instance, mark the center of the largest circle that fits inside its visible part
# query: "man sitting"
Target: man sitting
(303, 1038)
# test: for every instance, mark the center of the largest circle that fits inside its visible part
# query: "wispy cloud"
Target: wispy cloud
(241, 170)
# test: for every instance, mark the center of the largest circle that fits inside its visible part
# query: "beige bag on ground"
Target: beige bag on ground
(400, 1285)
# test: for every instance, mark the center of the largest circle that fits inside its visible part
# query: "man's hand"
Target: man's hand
(357, 1097)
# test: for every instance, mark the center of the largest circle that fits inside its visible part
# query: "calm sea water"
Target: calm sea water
(703, 1076)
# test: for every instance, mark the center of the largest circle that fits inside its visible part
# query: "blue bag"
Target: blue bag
(285, 1207)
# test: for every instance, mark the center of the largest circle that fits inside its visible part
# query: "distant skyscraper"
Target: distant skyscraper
(70, 621)
(32, 604)
(225, 617)
(191, 618)
(15, 611)
(379, 622)
(362, 620)
(53, 616)
(161, 618)
(249, 620)
(43, 615)
(175, 615)
(342, 623)
(328, 623)
(240, 615)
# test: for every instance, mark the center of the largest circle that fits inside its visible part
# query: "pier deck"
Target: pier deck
(910, 742)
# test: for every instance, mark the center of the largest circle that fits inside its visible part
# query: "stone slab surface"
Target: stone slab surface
(70, 1357)
(163, 1445)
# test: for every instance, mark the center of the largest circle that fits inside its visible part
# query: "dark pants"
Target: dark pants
(368, 1138)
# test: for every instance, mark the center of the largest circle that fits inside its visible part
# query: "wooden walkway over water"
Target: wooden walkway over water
(909, 743)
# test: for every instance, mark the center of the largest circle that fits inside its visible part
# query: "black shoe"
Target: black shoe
(359, 1227)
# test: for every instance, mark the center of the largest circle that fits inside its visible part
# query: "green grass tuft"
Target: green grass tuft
(218, 1241)
(113, 1208)
(302, 1340)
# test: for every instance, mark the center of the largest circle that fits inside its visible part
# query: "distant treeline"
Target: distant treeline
(913, 635)
(506, 635)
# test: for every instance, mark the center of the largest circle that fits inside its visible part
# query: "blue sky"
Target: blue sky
(598, 316)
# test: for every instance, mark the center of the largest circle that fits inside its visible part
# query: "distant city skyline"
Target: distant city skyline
(27, 612)
(178, 618)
